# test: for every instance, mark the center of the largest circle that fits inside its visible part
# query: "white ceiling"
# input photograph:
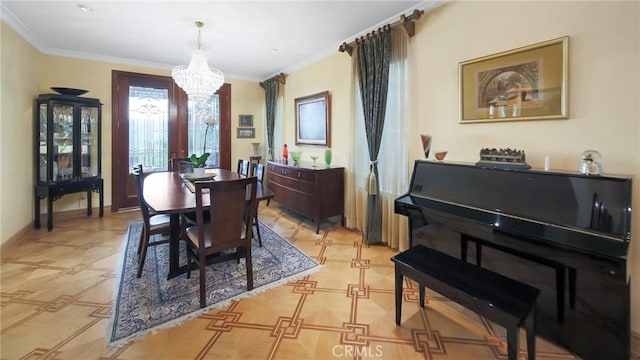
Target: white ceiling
(251, 40)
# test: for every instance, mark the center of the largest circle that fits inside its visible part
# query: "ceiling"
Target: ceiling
(251, 40)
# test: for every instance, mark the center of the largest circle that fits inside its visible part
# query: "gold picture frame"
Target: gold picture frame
(246, 133)
(528, 83)
(313, 119)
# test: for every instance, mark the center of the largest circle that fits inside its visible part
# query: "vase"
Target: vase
(198, 172)
(426, 144)
(328, 155)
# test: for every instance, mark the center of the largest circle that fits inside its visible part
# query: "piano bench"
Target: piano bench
(500, 299)
(561, 269)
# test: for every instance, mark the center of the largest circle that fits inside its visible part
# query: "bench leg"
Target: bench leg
(398, 294)
(530, 326)
(512, 342)
(422, 289)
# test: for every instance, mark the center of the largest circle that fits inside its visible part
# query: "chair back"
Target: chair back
(230, 216)
(181, 165)
(138, 177)
(258, 171)
(243, 167)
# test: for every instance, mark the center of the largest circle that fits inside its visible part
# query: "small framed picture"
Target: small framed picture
(246, 133)
(245, 121)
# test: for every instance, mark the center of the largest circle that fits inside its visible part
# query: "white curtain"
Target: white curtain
(393, 159)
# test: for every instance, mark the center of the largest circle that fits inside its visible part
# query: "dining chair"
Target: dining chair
(228, 227)
(152, 223)
(181, 165)
(243, 167)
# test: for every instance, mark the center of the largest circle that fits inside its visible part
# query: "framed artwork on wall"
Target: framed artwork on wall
(246, 133)
(245, 120)
(313, 121)
(528, 83)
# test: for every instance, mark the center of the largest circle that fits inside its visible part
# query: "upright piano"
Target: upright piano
(530, 219)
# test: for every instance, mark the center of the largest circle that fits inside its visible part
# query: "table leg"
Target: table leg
(174, 246)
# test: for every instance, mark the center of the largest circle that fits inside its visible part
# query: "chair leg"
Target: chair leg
(248, 262)
(202, 263)
(144, 244)
(188, 262)
(258, 230)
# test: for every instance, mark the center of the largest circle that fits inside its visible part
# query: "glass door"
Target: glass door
(89, 137)
(204, 129)
(63, 142)
(148, 128)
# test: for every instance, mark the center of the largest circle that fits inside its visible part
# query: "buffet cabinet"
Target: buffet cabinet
(316, 192)
(67, 150)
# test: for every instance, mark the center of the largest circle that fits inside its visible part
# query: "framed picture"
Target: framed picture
(313, 122)
(246, 133)
(528, 83)
(245, 120)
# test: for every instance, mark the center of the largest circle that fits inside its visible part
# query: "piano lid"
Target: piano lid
(592, 204)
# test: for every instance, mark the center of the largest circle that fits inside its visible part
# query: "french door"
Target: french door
(153, 121)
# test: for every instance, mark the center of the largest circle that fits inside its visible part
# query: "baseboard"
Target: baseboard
(635, 345)
(72, 214)
(17, 238)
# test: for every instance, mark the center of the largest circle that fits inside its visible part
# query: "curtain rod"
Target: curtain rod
(408, 22)
(282, 77)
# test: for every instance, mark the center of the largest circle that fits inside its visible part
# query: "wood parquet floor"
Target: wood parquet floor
(57, 290)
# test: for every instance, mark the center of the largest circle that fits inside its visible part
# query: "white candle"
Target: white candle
(547, 163)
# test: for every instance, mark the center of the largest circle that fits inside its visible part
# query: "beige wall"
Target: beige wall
(331, 74)
(19, 79)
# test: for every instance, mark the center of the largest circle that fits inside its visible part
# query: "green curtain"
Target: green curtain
(374, 57)
(271, 98)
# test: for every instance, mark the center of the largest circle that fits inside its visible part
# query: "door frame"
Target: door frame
(123, 190)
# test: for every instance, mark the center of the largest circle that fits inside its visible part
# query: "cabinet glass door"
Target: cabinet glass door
(42, 145)
(89, 141)
(62, 142)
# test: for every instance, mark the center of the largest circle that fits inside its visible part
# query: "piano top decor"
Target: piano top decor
(502, 159)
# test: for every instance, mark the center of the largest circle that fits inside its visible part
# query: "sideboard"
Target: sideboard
(316, 192)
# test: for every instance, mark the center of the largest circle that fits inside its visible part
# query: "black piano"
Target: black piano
(528, 222)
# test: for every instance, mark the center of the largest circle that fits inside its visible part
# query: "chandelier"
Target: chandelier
(196, 79)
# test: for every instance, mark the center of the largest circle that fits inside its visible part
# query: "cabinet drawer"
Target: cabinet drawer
(284, 181)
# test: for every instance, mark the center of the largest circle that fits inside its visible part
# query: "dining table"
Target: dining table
(168, 192)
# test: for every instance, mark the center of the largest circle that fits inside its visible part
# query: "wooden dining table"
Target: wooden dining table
(167, 193)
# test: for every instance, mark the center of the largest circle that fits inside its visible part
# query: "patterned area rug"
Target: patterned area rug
(152, 302)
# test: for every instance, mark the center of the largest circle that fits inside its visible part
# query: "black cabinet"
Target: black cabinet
(67, 150)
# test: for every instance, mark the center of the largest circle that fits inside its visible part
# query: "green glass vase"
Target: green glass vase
(328, 155)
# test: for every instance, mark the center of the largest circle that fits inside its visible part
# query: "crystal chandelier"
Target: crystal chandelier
(196, 79)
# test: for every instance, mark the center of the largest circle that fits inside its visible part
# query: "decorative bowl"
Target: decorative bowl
(69, 91)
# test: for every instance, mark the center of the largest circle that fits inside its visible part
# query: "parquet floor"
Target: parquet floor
(57, 289)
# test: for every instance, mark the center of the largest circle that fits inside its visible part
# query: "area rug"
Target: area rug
(152, 302)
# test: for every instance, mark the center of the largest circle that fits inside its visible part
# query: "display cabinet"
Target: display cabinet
(67, 150)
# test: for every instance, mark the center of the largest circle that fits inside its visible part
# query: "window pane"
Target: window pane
(204, 133)
(148, 128)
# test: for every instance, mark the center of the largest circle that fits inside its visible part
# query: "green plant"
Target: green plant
(199, 161)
